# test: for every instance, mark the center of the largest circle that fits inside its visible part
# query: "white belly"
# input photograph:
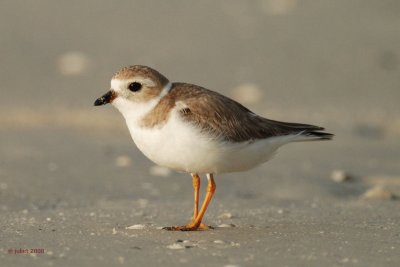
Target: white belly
(182, 147)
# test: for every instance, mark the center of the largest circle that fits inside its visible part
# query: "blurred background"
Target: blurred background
(329, 63)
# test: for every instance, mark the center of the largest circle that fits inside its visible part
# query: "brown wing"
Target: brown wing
(225, 118)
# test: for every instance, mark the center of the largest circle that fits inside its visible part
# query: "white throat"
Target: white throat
(135, 111)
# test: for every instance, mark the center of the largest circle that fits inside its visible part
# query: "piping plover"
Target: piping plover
(191, 129)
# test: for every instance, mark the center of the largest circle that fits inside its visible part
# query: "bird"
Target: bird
(191, 129)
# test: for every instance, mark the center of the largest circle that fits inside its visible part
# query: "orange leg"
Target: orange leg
(198, 216)
(196, 188)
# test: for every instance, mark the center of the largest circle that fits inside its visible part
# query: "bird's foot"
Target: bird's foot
(189, 227)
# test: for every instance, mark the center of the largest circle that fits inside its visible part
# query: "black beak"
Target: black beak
(105, 99)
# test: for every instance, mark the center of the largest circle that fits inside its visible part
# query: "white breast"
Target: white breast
(183, 147)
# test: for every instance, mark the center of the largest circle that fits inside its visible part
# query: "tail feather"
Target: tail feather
(298, 126)
(318, 135)
(302, 132)
(294, 131)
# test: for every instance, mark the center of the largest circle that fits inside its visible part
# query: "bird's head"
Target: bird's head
(135, 89)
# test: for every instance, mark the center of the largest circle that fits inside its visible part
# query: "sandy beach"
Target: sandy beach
(75, 191)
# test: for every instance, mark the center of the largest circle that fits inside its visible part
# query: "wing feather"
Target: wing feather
(226, 119)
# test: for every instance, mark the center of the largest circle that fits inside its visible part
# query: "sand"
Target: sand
(75, 191)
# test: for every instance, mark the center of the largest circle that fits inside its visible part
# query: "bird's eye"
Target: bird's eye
(135, 86)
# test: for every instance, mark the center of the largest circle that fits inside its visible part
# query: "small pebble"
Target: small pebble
(344, 260)
(247, 93)
(136, 227)
(226, 215)
(378, 193)
(226, 225)
(234, 244)
(73, 63)
(114, 231)
(176, 246)
(278, 7)
(123, 161)
(121, 260)
(219, 241)
(159, 171)
(340, 176)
